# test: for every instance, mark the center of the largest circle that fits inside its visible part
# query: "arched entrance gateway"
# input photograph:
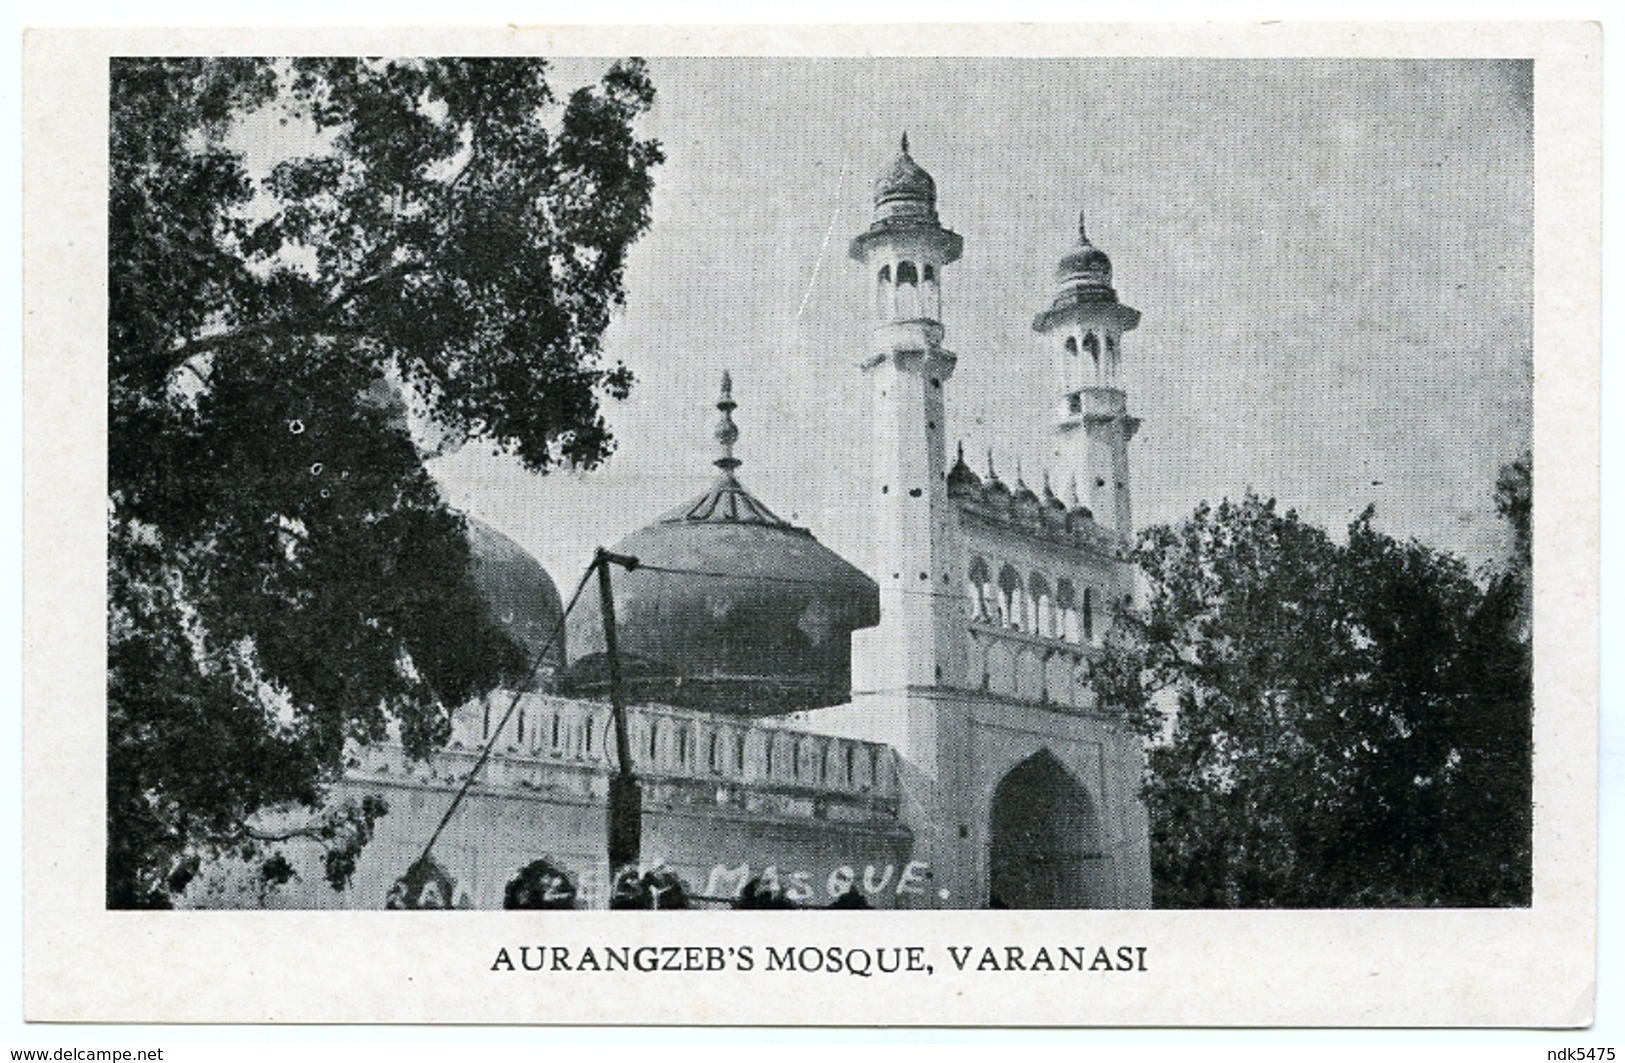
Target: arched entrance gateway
(1045, 850)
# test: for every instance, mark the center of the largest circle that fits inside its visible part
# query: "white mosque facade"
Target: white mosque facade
(921, 733)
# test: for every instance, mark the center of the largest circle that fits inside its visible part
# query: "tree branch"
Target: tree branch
(309, 831)
(316, 324)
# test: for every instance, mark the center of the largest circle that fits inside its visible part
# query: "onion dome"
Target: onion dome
(1079, 511)
(993, 488)
(1023, 494)
(1051, 502)
(1085, 277)
(905, 182)
(518, 594)
(730, 608)
(906, 206)
(1085, 266)
(385, 397)
(961, 480)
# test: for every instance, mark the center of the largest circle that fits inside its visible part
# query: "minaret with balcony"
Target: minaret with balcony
(916, 557)
(1084, 326)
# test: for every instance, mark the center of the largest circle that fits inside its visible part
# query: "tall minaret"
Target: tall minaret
(1085, 325)
(916, 544)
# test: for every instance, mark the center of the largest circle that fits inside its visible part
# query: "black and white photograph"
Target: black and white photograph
(601, 480)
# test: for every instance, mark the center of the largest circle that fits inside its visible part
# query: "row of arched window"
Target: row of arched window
(1031, 605)
(899, 293)
(907, 273)
(1091, 346)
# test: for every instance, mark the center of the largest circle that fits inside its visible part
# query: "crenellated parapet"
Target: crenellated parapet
(992, 503)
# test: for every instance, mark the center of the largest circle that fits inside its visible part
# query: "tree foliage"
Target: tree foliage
(1330, 724)
(284, 577)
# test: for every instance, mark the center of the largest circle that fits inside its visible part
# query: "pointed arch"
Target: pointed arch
(1066, 600)
(979, 585)
(1043, 605)
(1010, 605)
(1045, 841)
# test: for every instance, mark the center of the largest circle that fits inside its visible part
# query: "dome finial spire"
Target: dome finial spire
(727, 432)
(1083, 234)
(905, 142)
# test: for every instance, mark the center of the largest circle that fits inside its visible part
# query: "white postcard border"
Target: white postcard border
(1395, 968)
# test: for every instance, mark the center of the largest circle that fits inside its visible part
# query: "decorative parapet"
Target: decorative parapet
(1001, 510)
(564, 747)
(996, 505)
(1032, 668)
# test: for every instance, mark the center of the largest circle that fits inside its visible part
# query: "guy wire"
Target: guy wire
(513, 703)
(490, 743)
(766, 578)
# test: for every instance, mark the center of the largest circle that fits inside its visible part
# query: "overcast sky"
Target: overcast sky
(1333, 261)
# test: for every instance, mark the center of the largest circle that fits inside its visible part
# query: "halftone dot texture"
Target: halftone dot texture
(1333, 259)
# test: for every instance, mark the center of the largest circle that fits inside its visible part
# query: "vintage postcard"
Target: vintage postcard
(1063, 525)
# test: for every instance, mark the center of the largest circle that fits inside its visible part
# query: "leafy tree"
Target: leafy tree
(1330, 724)
(1514, 500)
(284, 577)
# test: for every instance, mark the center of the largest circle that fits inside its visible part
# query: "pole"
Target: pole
(625, 795)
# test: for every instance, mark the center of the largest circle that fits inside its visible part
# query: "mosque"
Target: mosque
(921, 733)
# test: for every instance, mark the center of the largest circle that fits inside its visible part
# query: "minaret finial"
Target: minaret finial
(1018, 473)
(961, 452)
(992, 473)
(1083, 235)
(727, 432)
(905, 142)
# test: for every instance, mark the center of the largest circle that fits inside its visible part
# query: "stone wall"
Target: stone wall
(725, 799)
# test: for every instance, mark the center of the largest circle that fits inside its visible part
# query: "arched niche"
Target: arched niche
(1011, 606)
(1044, 839)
